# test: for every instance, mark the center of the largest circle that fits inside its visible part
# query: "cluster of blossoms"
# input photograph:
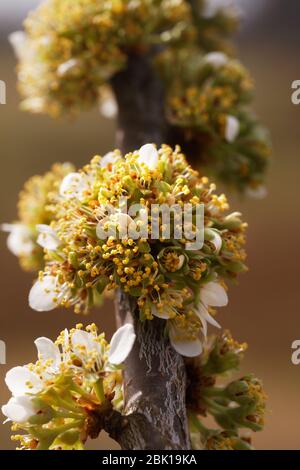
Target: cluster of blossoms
(77, 384)
(173, 278)
(60, 401)
(35, 212)
(235, 407)
(144, 223)
(207, 103)
(72, 48)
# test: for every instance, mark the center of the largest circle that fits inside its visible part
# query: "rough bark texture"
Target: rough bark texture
(155, 384)
(155, 377)
(130, 432)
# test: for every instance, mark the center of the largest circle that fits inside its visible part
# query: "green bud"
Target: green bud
(101, 284)
(236, 389)
(144, 247)
(224, 355)
(73, 260)
(69, 437)
(135, 291)
(44, 415)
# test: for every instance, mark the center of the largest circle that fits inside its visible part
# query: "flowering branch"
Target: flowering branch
(174, 78)
(166, 285)
(154, 378)
(72, 392)
(70, 58)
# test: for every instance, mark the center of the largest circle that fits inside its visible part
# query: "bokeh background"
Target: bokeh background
(263, 309)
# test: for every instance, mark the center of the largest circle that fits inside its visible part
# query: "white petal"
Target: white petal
(109, 159)
(68, 185)
(233, 216)
(216, 59)
(148, 155)
(20, 380)
(18, 40)
(19, 409)
(186, 348)
(74, 185)
(109, 108)
(181, 261)
(48, 350)
(260, 192)
(66, 67)
(45, 294)
(121, 344)
(205, 318)
(213, 294)
(8, 227)
(45, 40)
(34, 105)
(82, 339)
(47, 237)
(216, 239)
(165, 314)
(66, 349)
(19, 240)
(19, 245)
(232, 128)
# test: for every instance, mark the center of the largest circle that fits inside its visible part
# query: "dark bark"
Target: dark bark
(154, 376)
(132, 432)
(154, 383)
(140, 97)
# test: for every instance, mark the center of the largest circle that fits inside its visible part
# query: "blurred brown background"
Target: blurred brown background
(263, 309)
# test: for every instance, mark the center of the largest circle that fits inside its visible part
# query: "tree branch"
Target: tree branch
(155, 377)
(140, 97)
(154, 382)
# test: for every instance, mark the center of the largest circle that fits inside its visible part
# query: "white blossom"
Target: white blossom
(260, 192)
(95, 354)
(46, 294)
(21, 381)
(121, 344)
(109, 159)
(19, 42)
(215, 238)
(19, 240)
(232, 128)
(212, 294)
(47, 237)
(75, 185)
(109, 108)
(19, 409)
(185, 347)
(216, 59)
(67, 67)
(148, 155)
